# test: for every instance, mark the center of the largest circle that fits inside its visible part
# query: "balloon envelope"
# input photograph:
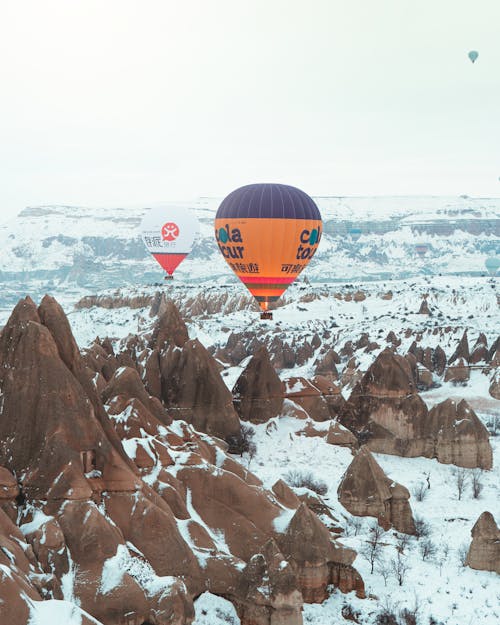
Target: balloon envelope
(421, 249)
(355, 233)
(492, 264)
(168, 234)
(473, 55)
(268, 233)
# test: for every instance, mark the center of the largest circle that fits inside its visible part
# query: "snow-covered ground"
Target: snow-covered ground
(440, 587)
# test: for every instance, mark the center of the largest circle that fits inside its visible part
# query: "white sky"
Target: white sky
(106, 102)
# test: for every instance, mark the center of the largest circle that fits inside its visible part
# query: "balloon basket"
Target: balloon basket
(266, 314)
(168, 277)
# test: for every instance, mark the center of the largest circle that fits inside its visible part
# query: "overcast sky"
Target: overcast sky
(106, 102)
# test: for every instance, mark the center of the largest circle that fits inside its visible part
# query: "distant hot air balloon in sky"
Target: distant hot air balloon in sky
(355, 233)
(492, 264)
(421, 249)
(473, 55)
(169, 233)
(267, 233)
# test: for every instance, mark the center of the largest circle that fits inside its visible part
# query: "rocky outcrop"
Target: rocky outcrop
(340, 435)
(480, 351)
(305, 394)
(458, 373)
(326, 365)
(141, 514)
(268, 592)
(317, 562)
(365, 490)
(458, 435)
(462, 350)
(388, 415)
(484, 552)
(169, 329)
(424, 308)
(193, 390)
(258, 392)
(384, 408)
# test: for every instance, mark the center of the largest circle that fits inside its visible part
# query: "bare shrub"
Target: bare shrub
(353, 525)
(387, 614)
(305, 479)
(386, 617)
(427, 549)
(493, 425)
(419, 491)
(399, 567)
(372, 549)
(477, 483)
(460, 477)
(462, 553)
(350, 613)
(422, 528)
(443, 556)
(402, 541)
(240, 443)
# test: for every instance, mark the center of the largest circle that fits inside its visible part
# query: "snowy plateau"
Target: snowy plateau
(352, 293)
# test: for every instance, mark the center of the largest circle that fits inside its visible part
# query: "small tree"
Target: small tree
(460, 477)
(251, 452)
(372, 549)
(399, 567)
(383, 569)
(477, 483)
(240, 443)
(427, 549)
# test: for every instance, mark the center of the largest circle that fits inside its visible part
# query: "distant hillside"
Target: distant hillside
(65, 248)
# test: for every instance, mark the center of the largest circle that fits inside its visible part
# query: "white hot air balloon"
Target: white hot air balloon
(168, 234)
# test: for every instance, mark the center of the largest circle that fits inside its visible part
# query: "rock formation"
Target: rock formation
(193, 390)
(258, 392)
(387, 414)
(460, 437)
(484, 552)
(365, 490)
(136, 513)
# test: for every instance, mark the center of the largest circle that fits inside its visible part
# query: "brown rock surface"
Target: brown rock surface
(267, 592)
(365, 490)
(193, 390)
(169, 329)
(308, 546)
(484, 552)
(460, 436)
(458, 373)
(340, 435)
(258, 392)
(304, 393)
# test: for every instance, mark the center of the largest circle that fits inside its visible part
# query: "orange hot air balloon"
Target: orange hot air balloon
(268, 233)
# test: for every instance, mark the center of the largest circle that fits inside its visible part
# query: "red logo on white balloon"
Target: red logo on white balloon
(170, 231)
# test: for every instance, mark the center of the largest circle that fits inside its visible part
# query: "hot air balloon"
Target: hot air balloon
(355, 233)
(267, 233)
(169, 233)
(421, 249)
(492, 264)
(473, 55)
